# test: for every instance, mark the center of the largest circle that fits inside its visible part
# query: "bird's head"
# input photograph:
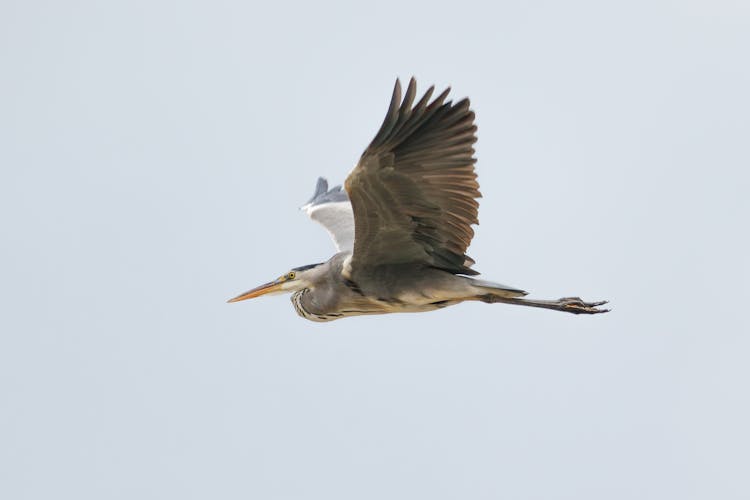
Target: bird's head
(296, 279)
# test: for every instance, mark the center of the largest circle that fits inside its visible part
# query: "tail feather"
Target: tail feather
(489, 287)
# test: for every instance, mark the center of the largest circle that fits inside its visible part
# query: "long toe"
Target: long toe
(577, 306)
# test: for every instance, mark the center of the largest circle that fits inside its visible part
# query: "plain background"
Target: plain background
(154, 155)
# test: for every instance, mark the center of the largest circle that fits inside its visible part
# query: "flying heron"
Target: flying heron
(402, 223)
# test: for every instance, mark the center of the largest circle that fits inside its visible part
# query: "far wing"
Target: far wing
(331, 209)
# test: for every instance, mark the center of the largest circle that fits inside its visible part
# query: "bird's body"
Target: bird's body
(403, 223)
(398, 288)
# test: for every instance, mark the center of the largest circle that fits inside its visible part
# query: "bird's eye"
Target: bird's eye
(291, 275)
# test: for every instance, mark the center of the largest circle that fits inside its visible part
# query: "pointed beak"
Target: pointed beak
(270, 287)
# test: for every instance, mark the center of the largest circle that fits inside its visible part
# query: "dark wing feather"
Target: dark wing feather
(414, 189)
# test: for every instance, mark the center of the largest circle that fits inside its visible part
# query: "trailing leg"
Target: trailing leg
(566, 304)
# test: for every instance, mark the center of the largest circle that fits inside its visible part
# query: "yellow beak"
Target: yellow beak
(270, 287)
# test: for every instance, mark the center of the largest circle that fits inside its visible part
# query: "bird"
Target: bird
(402, 223)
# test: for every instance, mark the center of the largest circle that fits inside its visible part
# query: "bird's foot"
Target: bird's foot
(576, 305)
(573, 305)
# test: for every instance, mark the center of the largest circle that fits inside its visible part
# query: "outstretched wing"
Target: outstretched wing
(332, 210)
(414, 189)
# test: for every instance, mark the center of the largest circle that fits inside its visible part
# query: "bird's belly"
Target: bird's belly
(376, 306)
(401, 304)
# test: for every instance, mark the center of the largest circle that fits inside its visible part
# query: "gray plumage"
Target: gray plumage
(323, 195)
(332, 210)
(402, 224)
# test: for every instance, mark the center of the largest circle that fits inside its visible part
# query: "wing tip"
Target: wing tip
(323, 195)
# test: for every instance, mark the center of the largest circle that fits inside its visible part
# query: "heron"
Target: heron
(402, 223)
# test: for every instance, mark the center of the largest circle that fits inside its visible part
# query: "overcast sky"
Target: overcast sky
(153, 156)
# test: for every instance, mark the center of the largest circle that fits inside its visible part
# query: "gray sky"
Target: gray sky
(153, 156)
